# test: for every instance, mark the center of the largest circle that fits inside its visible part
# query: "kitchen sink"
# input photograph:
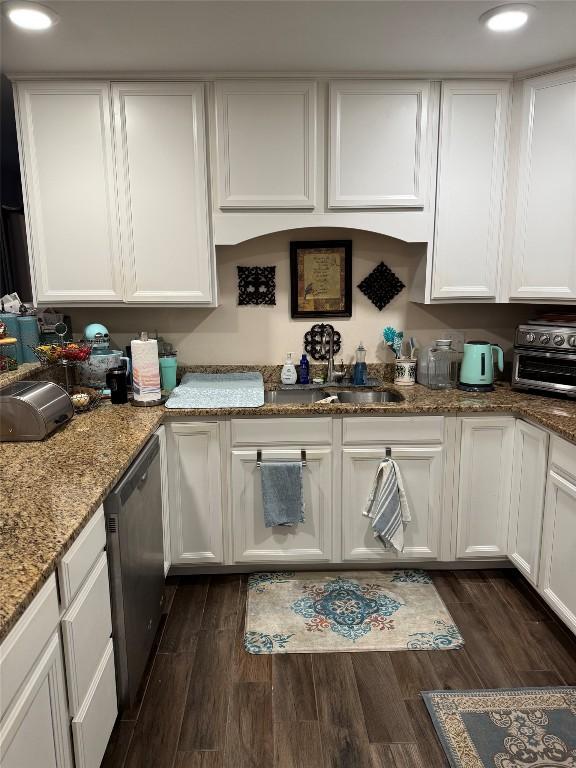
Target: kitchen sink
(293, 396)
(363, 396)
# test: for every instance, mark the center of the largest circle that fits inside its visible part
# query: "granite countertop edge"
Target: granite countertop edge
(34, 552)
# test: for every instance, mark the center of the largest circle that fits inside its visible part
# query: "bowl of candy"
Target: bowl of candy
(84, 398)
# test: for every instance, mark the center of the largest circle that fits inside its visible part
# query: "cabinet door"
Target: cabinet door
(266, 143)
(558, 548)
(527, 498)
(195, 494)
(421, 468)
(379, 149)
(159, 131)
(469, 201)
(310, 541)
(35, 731)
(544, 249)
(69, 193)
(484, 490)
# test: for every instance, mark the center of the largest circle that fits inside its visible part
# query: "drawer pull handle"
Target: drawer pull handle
(259, 458)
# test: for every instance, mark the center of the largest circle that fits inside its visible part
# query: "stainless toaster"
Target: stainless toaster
(31, 410)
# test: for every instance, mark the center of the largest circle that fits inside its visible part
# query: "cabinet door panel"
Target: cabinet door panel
(421, 469)
(195, 494)
(484, 490)
(378, 143)
(545, 221)
(469, 202)
(527, 498)
(266, 143)
(559, 544)
(161, 156)
(68, 179)
(310, 541)
(35, 731)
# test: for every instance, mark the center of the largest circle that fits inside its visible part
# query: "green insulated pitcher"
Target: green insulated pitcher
(477, 371)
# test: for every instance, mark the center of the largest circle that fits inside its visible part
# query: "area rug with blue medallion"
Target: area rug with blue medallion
(290, 612)
(516, 728)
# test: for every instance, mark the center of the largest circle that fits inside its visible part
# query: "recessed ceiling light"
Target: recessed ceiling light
(32, 16)
(507, 18)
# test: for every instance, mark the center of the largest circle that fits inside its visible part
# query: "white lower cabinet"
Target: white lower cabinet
(310, 541)
(527, 498)
(195, 493)
(86, 631)
(421, 468)
(92, 726)
(34, 722)
(35, 731)
(557, 583)
(486, 455)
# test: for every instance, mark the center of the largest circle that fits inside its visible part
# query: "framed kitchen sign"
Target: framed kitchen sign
(321, 278)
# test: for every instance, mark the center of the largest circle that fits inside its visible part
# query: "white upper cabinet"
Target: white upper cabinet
(472, 154)
(266, 143)
(379, 149)
(68, 184)
(544, 247)
(159, 131)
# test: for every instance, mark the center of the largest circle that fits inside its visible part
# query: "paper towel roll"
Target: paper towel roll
(145, 370)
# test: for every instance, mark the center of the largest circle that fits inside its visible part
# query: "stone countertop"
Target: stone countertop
(50, 489)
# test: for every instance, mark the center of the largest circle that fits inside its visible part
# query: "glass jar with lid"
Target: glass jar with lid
(442, 365)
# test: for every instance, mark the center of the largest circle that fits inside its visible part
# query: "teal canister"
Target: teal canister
(29, 336)
(11, 322)
(168, 366)
(477, 370)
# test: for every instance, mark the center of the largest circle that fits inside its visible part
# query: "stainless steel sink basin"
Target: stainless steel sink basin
(363, 396)
(293, 396)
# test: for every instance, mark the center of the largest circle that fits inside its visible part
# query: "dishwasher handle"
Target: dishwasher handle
(136, 477)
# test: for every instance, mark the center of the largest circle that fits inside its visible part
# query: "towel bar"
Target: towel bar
(259, 458)
(388, 453)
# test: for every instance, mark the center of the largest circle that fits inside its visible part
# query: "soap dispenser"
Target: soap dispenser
(288, 375)
(360, 366)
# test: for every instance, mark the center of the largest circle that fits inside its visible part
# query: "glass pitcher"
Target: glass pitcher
(442, 365)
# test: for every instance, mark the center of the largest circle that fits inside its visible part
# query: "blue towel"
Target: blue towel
(282, 493)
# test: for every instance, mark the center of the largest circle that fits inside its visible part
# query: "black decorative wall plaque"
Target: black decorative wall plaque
(316, 343)
(256, 285)
(381, 286)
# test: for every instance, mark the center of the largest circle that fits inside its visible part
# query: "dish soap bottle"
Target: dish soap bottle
(288, 375)
(304, 370)
(359, 378)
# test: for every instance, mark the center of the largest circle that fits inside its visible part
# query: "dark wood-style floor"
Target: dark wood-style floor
(206, 703)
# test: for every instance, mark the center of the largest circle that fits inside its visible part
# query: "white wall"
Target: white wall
(262, 335)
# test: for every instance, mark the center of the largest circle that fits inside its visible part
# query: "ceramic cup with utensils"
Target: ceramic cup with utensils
(405, 372)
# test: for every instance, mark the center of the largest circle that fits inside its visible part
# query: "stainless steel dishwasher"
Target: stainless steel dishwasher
(135, 554)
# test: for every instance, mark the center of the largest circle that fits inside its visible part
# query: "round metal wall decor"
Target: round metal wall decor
(317, 346)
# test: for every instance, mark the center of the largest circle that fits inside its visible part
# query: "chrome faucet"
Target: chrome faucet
(332, 376)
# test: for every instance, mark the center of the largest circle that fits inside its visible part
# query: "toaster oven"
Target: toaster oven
(545, 359)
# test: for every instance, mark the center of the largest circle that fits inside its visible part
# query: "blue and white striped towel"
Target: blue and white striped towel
(387, 505)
